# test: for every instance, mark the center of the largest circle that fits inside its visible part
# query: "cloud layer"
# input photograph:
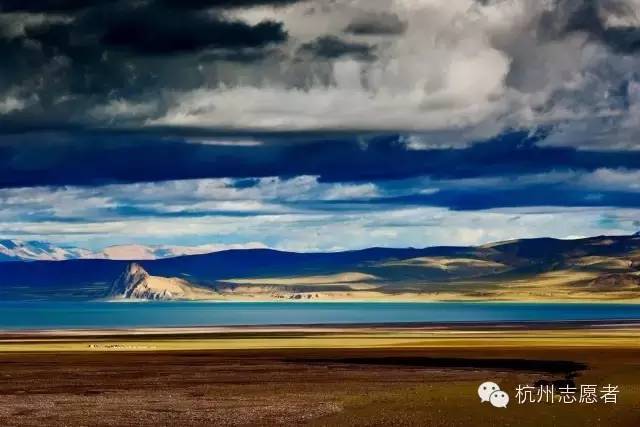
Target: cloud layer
(302, 213)
(467, 69)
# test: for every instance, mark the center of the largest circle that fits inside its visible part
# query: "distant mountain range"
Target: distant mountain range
(602, 268)
(21, 250)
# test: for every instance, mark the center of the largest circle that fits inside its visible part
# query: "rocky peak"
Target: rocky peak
(135, 269)
(132, 277)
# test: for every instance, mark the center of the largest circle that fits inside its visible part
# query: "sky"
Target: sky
(318, 125)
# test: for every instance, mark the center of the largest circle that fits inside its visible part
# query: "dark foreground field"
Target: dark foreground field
(425, 386)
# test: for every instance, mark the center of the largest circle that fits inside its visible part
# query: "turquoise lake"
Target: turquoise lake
(51, 315)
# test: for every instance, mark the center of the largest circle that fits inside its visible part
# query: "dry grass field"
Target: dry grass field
(355, 377)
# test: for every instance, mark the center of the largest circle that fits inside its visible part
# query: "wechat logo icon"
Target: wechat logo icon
(490, 392)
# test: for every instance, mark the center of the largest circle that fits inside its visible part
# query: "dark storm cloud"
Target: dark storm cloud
(589, 17)
(65, 6)
(526, 196)
(37, 159)
(228, 4)
(154, 32)
(332, 47)
(377, 24)
(242, 55)
(80, 55)
(40, 6)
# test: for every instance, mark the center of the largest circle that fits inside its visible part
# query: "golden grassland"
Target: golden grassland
(353, 338)
(318, 376)
(564, 285)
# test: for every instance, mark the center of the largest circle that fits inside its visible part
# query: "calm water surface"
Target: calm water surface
(41, 315)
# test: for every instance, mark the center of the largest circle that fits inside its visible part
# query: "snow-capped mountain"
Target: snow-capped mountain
(20, 250)
(143, 252)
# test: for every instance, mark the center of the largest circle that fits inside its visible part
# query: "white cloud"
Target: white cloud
(416, 227)
(285, 213)
(612, 179)
(429, 142)
(610, 129)
(461, 69)
(354, 191)
(10, 104)
(621, 13)
(123, 109)
(225, 142)
(430, 78)
(199, 196)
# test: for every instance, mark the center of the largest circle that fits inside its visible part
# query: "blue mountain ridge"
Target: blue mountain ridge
(90, 278)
